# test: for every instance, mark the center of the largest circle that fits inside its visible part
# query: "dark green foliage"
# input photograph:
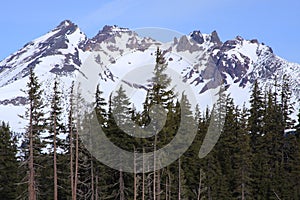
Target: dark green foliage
(256, 157)
(99, 107)
(159, 93)
(286, 104)
(256, 115)
(298, 126)
(242, 158)
(55, 119)
(56, 130)
(9, 177)
(34, 114)
(32, 145)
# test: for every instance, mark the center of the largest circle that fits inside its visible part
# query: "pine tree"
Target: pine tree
(256, 115)
(210, 163)
(76, 152)
(298, 125)
(291, 159)
(119, 132)
(160, 93)
(71, 138)
(100, 106)
(226, 150)
(36, 125)
(190, 157)
(80, 158)
(287, 106)
(9, 178)
(56, 127)
(121, 109)
(242, 158)
(272, 146)
(255, 127)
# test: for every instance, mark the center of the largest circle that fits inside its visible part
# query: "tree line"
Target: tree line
(256, 157)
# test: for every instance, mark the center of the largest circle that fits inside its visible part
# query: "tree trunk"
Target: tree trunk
(243, 191)
(71, 163)
(121, 185)
(31, 185)
(92, 179)
(200, 185)
(154, 168)
(134, 176)
(179, 180)
(121, 181)
(243, 186)
(96, 189)
(92, 166)
(276, 195)
(54, 158)
(71, 145)
(76, 166)
(166, 197)
(170, 185)
(158, 185)
(143, 178)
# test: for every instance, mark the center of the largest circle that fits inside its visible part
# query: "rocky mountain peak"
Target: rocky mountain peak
(200, 38)
(113, 29)
(65, 23)
(66, 27)
(60, 42)
(197, 36)
(215, 38)
(109, 31)
(108, 34)
(63, 50)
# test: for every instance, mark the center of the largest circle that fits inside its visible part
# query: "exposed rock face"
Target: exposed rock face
(63, 51)
(55, 43)
(113, 36)
(17, 101)
(184, 44)
(107, 34)
(215, 38)
(197, 36)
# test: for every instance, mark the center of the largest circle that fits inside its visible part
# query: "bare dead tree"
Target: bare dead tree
(54, 159)
(134, 176)
(179, 179)
(200, 184)
(71, 138)
(76, 164)
(31, 185)
(143, 177)
(121, 185)
(34, 114)
(154, 168)
(96, 189)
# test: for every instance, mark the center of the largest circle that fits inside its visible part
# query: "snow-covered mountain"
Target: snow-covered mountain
(202, 61)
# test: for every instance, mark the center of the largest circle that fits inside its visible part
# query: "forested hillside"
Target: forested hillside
(256, 157)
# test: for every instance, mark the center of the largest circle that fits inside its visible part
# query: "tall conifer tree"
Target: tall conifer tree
(36, 125)
(9, 164)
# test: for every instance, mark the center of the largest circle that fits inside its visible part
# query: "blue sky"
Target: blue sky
(274, 22)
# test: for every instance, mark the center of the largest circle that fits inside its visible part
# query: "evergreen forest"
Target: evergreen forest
(256, 157)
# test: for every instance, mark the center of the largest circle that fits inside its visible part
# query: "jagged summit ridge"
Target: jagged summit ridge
(62, 43)
(65, 24)
(108, 32)
(63, 50)
(237, 58)
(201, 38)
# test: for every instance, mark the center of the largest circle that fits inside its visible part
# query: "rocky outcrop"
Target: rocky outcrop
(17, 101)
